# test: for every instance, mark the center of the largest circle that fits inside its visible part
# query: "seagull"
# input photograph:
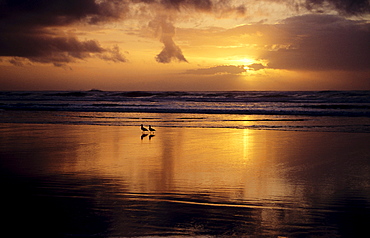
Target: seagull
(143, 129)
(151, 129)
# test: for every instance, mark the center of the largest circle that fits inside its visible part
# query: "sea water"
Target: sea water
(347, 111)
(220, 164)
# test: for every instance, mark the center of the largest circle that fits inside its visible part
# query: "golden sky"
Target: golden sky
(184, 45)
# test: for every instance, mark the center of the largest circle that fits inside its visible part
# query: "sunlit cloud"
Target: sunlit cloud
(216, 70)
(255, 66)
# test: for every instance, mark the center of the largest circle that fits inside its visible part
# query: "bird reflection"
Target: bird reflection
(143, 136)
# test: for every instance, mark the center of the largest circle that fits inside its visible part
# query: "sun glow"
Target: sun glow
(245, 62)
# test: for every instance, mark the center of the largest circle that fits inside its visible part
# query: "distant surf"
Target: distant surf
(347, 111)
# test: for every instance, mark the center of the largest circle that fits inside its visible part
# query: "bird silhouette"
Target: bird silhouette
(151, 129)
(143, 129)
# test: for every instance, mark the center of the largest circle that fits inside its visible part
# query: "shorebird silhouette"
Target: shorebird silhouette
(151, 129)
(143, 129)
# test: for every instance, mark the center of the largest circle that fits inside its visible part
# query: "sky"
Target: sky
(197, 45)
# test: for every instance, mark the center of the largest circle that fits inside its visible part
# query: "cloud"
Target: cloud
(43, 48)
(216, 70)
(348, 7)
(25, 30)
(203, 5)
(313, 42)
(166, 30)
(112, 54)
(322, 42)
(16, 61)
(256, 66)
(224, 7)
(33, 29)
(60, 12)
(25, 26)
(217, 7)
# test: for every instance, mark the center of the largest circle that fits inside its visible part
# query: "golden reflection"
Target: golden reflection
(245, 145)
(236, 163)
(232, 163)
(241, 164)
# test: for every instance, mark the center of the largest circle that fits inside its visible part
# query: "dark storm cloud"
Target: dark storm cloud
(323, 42)
(25, 30)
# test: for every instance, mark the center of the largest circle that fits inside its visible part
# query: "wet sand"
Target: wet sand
(83, 180)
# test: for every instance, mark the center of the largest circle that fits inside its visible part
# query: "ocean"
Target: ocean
(220, 164)
(340, 111)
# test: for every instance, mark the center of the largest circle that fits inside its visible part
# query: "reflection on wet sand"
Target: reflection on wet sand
(186, 181)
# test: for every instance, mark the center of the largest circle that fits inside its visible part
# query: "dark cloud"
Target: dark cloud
(218, 7)
(17, 62)
(349, 7)
(167, 31)
(45, 48)
(256, 66)
(322, 42)
(25, 30)
(204, 5)
(112, 54)
(222, 69)
(59, 12)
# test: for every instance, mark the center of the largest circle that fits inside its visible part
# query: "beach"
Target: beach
(113, 181)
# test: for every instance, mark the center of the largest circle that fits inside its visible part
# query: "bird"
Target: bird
(143, 129)
(151, 129)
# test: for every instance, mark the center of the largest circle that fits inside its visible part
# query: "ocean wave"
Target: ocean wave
(321, 111)
(322, 103)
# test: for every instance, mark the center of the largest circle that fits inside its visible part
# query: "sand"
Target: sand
(306, 174)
